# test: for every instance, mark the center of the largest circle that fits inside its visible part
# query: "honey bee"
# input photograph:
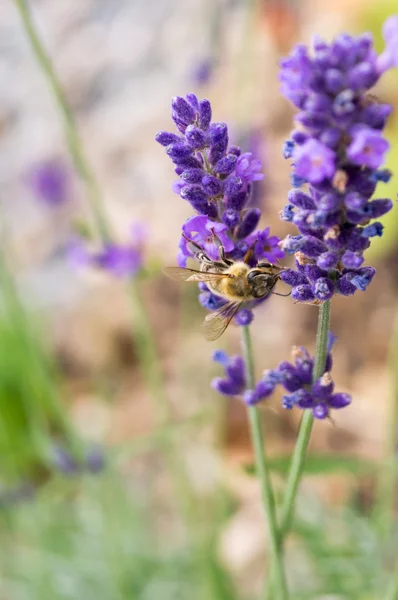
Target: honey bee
(235, 281)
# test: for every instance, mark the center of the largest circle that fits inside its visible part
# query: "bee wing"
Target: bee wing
(216, 323)
(182, 274)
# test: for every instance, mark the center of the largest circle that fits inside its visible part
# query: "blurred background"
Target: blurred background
(104, 493)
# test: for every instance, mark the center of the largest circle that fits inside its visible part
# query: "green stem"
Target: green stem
(257, 435)
(304, 434)
(383, 512)
(71, 132)
(303, 440)
(392, 591)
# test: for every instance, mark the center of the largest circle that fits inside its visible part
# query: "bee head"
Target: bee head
(261, 283)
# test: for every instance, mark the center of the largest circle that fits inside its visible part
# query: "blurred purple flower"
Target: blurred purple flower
(120, 260)
(63, 461)
(389, 58)
(202, 71)
(49, 181)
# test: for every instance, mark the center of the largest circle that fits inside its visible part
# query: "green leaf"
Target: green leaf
(317, 464)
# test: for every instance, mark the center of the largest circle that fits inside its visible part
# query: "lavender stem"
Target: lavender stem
(71, 132)
(263, 473)
(302, 441)
(307, 420)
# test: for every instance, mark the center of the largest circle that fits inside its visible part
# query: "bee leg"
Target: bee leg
(197, 251)
(221, 250)
(268, 265)
(278, 294)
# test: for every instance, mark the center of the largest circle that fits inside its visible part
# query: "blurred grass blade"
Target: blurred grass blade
(318, 464)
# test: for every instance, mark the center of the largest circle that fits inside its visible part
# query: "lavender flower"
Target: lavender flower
(49, 181)
(216, 179)
(235, 380)
(297, 380)
(337, 151)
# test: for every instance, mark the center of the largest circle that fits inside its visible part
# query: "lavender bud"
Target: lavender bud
(212, 186)
(303, 293)
(205, 208)
(192, 175)
(288, 377)
(231, 218)
(377, 208)
(303, 399)
(235, 150)
(354, 201)
(226, 165)
(362, 76)
(237, 201)
(313, 272)
(218, 135)
(215, 154)
(178, 151)
(330, 137)
(312, 247)
(193, 193)
(249, 223)
(165, 138)
(182, 111)
(339, 400)
(293, 278)
(232, 185)
(328, 260)
(329, 202)
(204, 114)
(301, 200)
(193, 101)
(195, 137)
(352, 260)
(225, 387)
(244, 317)
(334, 81)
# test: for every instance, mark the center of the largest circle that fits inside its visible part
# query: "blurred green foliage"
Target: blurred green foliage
(30, 410)
(372, 19)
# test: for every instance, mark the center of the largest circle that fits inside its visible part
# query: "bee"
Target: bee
(235, 281)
